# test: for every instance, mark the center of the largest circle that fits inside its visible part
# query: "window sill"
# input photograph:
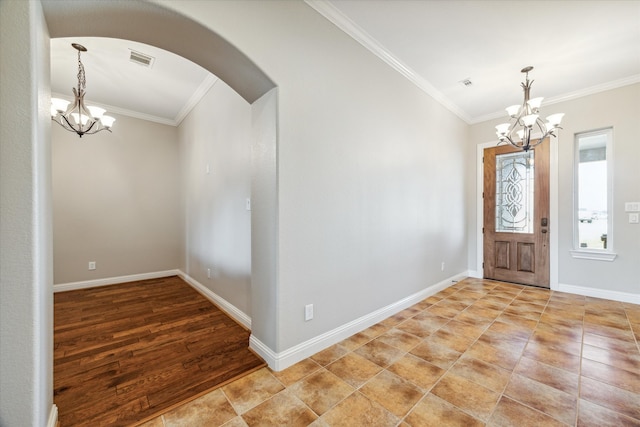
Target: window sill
(594, 255)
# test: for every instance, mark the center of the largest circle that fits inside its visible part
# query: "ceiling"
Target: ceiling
(164, 92)
(576, 48)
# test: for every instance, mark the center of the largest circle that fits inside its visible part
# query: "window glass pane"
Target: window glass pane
(592, 183)
(514, 192)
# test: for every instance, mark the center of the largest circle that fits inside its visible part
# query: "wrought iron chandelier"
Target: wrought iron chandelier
(525, 120)
(76, 117)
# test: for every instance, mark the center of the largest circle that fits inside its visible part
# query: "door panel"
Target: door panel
(516, 214)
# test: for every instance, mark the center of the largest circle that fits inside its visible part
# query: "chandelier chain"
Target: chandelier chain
(82, 81)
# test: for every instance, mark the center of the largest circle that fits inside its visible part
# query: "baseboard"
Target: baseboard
(53, 416)
(600, 293)
(293, 355)
(476, 274)
(233, 311)
(113, 280)
(229, 308)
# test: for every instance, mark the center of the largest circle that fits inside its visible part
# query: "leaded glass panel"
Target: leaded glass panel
(514, 192)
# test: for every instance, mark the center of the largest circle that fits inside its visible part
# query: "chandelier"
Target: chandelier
(525, 120)
(77, 117)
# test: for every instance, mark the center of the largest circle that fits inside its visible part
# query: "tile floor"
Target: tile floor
(478, 353)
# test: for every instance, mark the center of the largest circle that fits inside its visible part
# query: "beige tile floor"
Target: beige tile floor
(478, 353)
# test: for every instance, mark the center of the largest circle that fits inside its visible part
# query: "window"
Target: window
(593, 238)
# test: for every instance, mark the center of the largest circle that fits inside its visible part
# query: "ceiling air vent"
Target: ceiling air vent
(141, 59)
(466, 82)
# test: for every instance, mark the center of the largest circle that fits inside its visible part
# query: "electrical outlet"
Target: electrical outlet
(308, 312)
(92, 265)
(442, 266)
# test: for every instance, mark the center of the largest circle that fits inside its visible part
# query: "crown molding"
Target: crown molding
(568, 96)
(209, 81)
(336, 17)
(122, 111)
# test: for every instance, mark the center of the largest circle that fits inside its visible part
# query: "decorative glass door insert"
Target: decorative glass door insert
(515, 192)
(516, 215)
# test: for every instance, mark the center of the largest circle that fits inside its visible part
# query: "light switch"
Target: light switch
(634, 218)
(632, 206)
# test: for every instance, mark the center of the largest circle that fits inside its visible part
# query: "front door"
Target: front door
(516, 214)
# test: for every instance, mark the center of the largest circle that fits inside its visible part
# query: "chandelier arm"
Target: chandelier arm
(70, 127)
(90, 126)
(543, 130)
(99, 129)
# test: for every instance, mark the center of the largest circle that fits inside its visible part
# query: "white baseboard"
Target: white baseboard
(291, 356)
(72, 286)
(600, 293)
(53, 416)
(233, 311)
(476, 274)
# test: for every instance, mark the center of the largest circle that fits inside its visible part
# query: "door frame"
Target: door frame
(553, 210)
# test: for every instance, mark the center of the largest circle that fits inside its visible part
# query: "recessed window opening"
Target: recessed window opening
(593, 208)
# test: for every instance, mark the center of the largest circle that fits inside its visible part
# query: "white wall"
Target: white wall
(618, 108)
(371, 188)
(264, 218)
(116, 201)
(216, 135)
(26, 276)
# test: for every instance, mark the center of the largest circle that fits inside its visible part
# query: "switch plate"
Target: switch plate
(634, 218)
(248, 204)
(308, 312)
(632, 206)
(442, 266)
(92, 265)
(207, 169)
(208, 273)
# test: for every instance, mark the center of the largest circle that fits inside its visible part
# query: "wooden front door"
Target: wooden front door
(516, 214)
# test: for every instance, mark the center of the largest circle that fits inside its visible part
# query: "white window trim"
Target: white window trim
(594, 254)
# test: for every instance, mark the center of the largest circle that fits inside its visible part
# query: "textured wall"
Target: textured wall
(215, 151)
(26, 295)
(116, 201)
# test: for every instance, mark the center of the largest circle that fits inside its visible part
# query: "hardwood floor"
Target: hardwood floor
(125, 353)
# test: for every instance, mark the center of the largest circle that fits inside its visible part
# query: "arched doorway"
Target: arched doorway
(155, 25)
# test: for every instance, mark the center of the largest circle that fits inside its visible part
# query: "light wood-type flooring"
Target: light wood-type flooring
(125, 353)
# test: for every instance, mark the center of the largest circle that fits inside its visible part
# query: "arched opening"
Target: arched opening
(156, 26)
(149, 23)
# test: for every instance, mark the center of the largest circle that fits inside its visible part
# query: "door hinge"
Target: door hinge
(483, 265)
(482, 159)
(482, 230)
(483, 194)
